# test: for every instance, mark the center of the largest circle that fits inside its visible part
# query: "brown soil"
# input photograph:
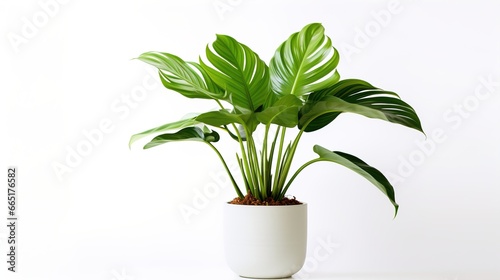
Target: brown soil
(251, 200)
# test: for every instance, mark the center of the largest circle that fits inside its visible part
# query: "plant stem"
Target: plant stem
(244, 160)
(285, 189)
(288, 159)
(247, 167)
(267, 160)
(245, 180)
(263, 164)
(254, 165)
(277, 172)
(235, 185)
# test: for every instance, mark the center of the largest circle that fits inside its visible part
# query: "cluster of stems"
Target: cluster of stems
(256, 166)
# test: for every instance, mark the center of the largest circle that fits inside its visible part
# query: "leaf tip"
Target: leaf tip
(396, 208)
(130, 142)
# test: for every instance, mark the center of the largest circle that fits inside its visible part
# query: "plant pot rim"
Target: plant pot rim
(263, 206)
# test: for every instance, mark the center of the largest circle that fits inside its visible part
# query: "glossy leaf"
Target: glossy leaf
(187, 78)
(362, 168)
(185, 134)
(221, 118)
(240, 71)
(163, 128)
(305, 62)
(361, 93)
(284, 112)
(333, 104)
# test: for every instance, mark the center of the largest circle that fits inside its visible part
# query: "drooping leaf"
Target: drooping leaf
(304, 63)
(163, 128)
(186, 134)
(284, 112)
(360, 94)
(333, 104)
(187, 78)
(362, 168)
(238, 70)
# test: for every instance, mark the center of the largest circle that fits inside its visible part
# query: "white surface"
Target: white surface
(117, 211)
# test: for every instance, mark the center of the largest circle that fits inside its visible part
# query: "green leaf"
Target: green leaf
(284, 112)
(361, 94)
(163, 128)
(333, 104)
(186, 134)
(362, 168)
(221, 118)
(305, 62)
(187, 78)
(240, 71)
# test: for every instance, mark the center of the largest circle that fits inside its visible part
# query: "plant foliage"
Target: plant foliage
(300, 91)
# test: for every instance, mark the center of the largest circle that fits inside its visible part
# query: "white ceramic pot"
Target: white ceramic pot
(265, 241)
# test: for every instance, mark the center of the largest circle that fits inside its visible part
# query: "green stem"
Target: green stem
(246, 165)
(288, 159)
(243, 153)
(254, 166)
(289, 162)
(235, 185)
(267, 160)
(277, 172)
(245, 180)
(285, 189)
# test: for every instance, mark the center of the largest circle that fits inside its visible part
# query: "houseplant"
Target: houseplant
(300, 91)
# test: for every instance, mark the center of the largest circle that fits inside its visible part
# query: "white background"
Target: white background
(115, 213)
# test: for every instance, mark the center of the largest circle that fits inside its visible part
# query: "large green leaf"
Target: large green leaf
(187, 78)
(333, 104)
(186, 134)
(163, 128)
(362, 168)
(305, 62)
(240, 71)
(284, 112)
(361, 95)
